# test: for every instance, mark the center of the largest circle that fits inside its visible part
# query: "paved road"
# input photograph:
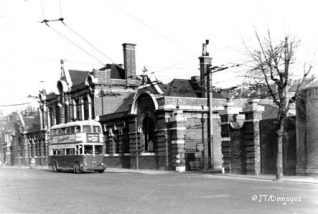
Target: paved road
(42, 191)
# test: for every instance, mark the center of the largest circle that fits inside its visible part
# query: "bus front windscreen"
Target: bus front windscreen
(98, 150)
(88, 149)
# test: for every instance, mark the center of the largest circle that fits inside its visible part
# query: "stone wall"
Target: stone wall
(268, 141)
(240, 138)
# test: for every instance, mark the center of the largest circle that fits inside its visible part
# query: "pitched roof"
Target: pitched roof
(184, 88)
(116, 71)
(77, 76)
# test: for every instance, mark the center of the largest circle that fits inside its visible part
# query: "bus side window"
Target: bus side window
(96, 129)
(68, 130)
(80, 150)
(72, 129)
(77, 129)
(87, 129)
(63, 131)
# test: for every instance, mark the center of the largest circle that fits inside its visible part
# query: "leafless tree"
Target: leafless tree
(272, 65)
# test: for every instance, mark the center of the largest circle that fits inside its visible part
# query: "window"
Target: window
(98, 150)
(148, 132)
(87, 129)
(77, 129)
(69, 130)
(79, 149)
(88, 149)
(70, 151)
(63, 131)
(61, 152)
(96, 129)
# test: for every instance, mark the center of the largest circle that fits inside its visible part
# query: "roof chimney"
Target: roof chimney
(129, 60)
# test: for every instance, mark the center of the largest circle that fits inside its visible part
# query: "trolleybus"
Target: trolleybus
(77, 146)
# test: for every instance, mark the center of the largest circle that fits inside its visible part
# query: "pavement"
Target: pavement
(209, 174)
(206, 174)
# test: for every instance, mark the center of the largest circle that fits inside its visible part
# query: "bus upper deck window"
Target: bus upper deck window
(96, 129)
(77, 129)
(72, 129)
(87, 129)
(69, 130)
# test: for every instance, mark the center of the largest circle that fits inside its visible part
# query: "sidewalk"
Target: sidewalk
(207, 174)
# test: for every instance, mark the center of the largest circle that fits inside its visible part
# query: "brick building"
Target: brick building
(21, 139)
(144, 120)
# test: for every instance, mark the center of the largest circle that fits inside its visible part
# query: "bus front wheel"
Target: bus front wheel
(76, 168)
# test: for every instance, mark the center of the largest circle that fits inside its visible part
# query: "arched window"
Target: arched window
(148, 128)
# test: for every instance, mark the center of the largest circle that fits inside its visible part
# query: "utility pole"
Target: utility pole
(212, 153)
(210, 119)
(205, 64)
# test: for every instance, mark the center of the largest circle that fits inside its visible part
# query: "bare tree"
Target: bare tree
(272, 65)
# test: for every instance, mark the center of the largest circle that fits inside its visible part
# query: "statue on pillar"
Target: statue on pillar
(205, 48)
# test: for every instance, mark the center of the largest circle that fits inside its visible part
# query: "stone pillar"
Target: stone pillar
(121, 140)
(227, 137)
(8, 154)
(54, 115)
(161, 135)
(82, 109)
(135, 146)
(89, 100)
(45, 117)
(33, 149)
(253, 114)
(177, 143)
(111, 142)
(74, 109)
(41, 111)
(48, 118)
(25, 151)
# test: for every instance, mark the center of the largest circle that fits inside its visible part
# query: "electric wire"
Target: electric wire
(152, 29)
(85, 40)
(16, 104)
(69, 40)
(61, 19)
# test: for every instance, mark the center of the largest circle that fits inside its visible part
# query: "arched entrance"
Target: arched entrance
(148, 136)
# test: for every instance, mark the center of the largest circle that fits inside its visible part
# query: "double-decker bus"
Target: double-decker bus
(77, 146)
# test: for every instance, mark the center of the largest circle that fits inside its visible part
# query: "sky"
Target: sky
(168, 34)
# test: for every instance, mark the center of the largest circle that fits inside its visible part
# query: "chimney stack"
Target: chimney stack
(205, 62)
(129, 60)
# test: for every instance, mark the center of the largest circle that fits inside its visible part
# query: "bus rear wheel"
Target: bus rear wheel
(76, 168)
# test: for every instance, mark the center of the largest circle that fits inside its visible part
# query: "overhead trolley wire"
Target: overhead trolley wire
(69, 40)
(153, 29)
(85, 40)
(62, 20)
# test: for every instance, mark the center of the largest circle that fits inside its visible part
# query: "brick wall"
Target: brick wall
(268, 141)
